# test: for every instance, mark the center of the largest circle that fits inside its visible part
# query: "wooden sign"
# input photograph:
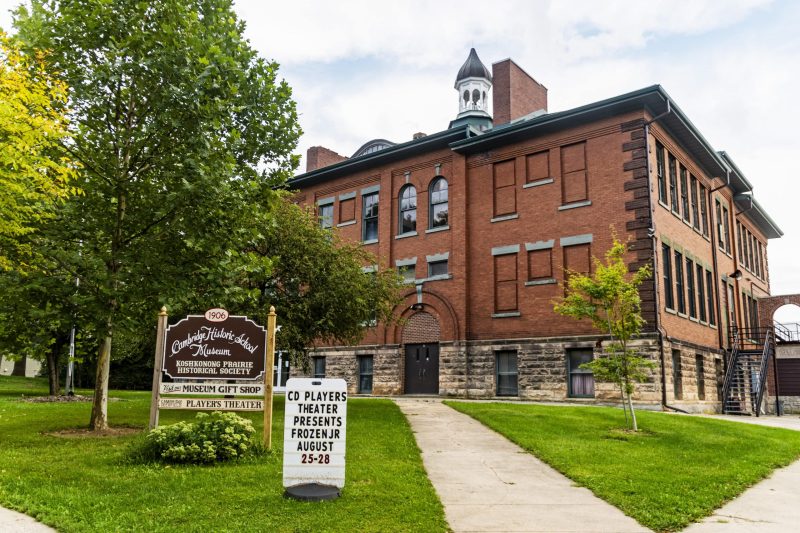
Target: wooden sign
(315, 427)
(213, 389)
(215, 346)
(211, 404)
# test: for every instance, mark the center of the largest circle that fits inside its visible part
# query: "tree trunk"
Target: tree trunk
(19, 367)
(624, 407)
(99, 420)
(52, 364)
(633, 413)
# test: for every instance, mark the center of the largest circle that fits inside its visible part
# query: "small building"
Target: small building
(483, 218)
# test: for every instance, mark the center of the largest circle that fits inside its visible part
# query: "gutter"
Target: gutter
(652, 233)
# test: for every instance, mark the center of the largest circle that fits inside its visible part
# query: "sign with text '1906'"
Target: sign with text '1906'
(314, 432)
(215, 346)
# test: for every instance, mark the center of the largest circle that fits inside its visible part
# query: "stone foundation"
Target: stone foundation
(468, 369)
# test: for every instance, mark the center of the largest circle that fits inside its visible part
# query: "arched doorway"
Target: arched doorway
(421, 341)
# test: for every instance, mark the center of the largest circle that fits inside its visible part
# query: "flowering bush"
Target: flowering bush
(211, 437)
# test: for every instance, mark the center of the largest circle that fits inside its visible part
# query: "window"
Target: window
(538, 166)
(540, 264)
(701, 293)
(701, 377)
(727, 228)
(507, 379)
(662, 177)
(684, 195)
(577, 259)
(580, 382)
(574, 187)
(690, 294)
(325, 216)
(703, 210)
(695, 212)
(437, 268)
(761, 272)
(669, 291)
(408, 209)
(365, 374)
(720, 235)
(750, 259)
(679, 288)
(505, 191)
(677, 375)
(438, 204)
(319, 367)
(739, 241)
(673, 183)
(370, 229)
(505, 283)
(408, 273)
(712, 311)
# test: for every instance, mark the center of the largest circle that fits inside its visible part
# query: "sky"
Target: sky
(362, 70)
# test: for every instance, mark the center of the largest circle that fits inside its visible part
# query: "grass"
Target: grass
(91, 484)
(677, 470)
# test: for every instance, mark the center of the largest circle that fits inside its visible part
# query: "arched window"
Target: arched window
(438, 203)
(408, 209)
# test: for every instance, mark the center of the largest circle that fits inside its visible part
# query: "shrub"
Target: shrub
(211, 437)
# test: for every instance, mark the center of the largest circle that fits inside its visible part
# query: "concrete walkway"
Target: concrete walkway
(489, 484)
(14, 522)
(771, 506)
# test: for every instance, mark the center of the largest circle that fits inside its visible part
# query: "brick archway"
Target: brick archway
(435, 305)
(768, 305)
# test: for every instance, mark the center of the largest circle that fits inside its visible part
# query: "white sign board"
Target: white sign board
(213, 389)
(314, 432)
(212, 404)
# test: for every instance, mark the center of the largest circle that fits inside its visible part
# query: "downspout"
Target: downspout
(652, 233)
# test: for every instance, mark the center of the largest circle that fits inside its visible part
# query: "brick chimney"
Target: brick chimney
(515, 93)
(419, 135)
(319, 156)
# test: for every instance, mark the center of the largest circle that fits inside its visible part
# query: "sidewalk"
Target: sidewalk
(14, 522)
(487, 483)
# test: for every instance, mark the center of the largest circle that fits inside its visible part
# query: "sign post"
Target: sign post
(314, 438)
(160, 330)
(271, 319)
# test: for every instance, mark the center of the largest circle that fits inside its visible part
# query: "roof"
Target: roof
(473, 68)
(653, 99)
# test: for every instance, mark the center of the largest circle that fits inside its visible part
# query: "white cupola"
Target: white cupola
(473, 83)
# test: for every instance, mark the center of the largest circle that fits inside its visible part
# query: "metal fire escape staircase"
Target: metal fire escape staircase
(746, 378)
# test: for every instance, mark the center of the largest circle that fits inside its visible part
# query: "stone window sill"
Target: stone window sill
(575, 205)
(405, 235)
(371, 241)
(538, 183)
(545, 281)
(505, 217)
(343, 224)
(440, 228)
(511, 314)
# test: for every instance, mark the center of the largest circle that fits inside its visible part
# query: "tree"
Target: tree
(318, 283)
(610, 299)
(34, 169)
(182, 132)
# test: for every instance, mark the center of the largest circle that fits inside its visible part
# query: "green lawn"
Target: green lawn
(89, 484)
(678, 470)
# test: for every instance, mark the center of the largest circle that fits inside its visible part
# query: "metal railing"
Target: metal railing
(787, 332)
(767, 352)
(734, 344)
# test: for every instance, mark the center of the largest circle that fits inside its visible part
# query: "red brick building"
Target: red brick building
(483, 218)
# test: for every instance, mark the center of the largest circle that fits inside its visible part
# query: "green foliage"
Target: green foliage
(182, 133)
(610, 299)
(211, 437)
(676, 471)
(35, 172)
(317, 284)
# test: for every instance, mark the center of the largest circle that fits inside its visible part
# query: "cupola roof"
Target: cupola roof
(473, 68)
